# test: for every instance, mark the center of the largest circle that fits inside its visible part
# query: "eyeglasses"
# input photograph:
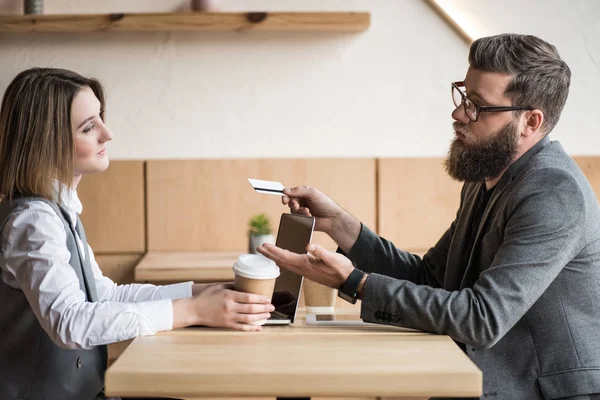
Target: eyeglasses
(473, 109)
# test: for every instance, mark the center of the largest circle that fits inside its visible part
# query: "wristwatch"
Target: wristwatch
(348, 291)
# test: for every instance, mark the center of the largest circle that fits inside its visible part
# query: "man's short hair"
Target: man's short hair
(541, 78)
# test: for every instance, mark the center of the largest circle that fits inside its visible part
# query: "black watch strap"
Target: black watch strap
(349, 290)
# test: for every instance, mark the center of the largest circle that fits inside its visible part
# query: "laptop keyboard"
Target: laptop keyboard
(278, 315)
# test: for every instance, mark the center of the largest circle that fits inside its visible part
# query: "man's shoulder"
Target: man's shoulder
(553, 155)
(552, 162)
(552, 174)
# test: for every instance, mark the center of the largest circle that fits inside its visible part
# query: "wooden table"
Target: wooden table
(294, 361)
(200, 267)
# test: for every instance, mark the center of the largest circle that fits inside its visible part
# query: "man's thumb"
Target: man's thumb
(319, 252)
(296, 191)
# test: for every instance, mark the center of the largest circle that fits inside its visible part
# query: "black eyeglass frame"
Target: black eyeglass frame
(478, 108)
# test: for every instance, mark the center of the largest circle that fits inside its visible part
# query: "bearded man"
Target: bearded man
(515, 278)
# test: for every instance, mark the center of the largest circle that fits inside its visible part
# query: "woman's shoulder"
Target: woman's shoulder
(35, 215)
(31, 205)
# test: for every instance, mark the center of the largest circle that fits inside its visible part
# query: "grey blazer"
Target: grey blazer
(523, 299)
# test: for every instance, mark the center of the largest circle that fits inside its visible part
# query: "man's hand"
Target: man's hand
(319, 265)
(329, 217)
(309, 201)
(220, 306)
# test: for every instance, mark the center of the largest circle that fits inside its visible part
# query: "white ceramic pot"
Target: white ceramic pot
(257, 240)
(205, 5)
(33, 6)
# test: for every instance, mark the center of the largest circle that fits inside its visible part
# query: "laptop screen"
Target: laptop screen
(295, 233)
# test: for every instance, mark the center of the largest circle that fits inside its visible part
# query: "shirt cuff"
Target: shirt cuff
(177, 291)
(358, 240)
(155, 316)
(361, 253)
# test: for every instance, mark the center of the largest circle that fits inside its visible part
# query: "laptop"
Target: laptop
(295, 233)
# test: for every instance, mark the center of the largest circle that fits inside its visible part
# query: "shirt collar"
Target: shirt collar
(68, 200)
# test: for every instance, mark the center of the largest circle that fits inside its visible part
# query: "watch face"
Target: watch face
(344, 296)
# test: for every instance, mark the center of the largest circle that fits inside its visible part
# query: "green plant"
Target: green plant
(259, 225)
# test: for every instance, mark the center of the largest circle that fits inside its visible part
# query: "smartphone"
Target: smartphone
(335, 320)
(295, 233)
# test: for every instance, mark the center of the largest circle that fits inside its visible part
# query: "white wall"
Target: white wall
(382, 92)
(573, 26)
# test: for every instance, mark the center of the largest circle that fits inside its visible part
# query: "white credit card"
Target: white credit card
(267, 187)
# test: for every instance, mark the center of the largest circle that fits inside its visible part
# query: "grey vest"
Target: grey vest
(32, 366)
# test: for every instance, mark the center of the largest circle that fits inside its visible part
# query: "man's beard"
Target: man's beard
(474, 160)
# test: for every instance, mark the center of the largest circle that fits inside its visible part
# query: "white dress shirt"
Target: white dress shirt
(34, 258)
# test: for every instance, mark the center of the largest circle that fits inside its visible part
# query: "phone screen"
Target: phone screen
(337, 317)
(295, 233)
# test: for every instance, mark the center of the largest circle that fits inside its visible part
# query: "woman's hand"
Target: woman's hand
(219, 305)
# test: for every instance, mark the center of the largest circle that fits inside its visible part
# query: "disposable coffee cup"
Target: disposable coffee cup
(319, 299)
(254, 273)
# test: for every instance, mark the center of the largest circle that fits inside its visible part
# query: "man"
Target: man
(515, 280)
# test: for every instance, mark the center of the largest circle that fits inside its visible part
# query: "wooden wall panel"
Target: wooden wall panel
(118, 267)
(113, 208)
(417, 201)
(590, 165)
(205, 205)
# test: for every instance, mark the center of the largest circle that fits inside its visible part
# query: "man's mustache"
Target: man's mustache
(460, 128)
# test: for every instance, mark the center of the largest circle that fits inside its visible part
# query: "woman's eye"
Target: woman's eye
(88, 128)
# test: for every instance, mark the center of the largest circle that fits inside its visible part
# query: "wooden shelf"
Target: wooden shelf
(197, 266)
(189, 21)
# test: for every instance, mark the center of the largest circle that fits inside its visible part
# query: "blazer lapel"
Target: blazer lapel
(472, 271)
(460, 248)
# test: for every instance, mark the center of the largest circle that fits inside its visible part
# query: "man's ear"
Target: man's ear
(533, 122)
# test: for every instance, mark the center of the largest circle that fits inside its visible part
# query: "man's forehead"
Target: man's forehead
(489, 85)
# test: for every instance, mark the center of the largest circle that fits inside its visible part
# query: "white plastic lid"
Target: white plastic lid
(255, 266)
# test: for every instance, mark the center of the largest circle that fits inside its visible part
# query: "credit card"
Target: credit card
(267, 187)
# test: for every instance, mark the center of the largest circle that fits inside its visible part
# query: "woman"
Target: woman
(57, 311)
